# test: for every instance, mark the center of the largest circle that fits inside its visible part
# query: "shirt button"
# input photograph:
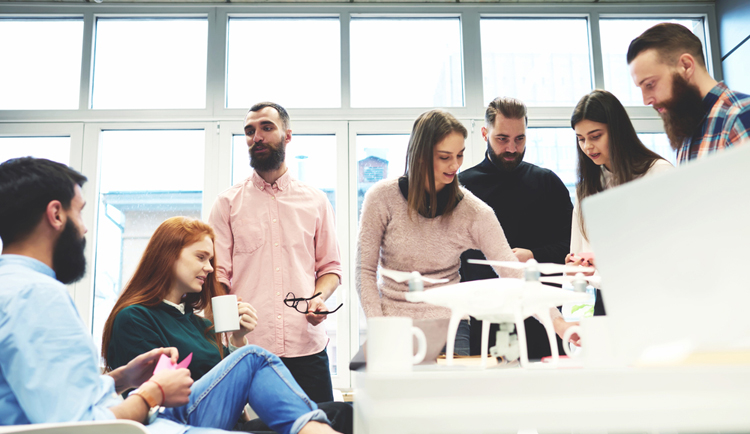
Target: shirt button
(278, 293)
(276, 244)
(277, 268)
(279, 317)
(274, 220)
(273, 197)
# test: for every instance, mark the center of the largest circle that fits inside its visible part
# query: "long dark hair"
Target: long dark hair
(429, 129)
(629, 158)
(153, 277)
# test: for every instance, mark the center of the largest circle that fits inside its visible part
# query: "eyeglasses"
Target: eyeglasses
(303, 303)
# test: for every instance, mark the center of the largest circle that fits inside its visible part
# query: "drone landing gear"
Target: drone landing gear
(506, 345)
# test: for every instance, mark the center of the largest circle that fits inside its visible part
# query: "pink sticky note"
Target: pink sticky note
(166, 363)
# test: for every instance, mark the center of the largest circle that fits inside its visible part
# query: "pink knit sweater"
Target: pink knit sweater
(431, 246)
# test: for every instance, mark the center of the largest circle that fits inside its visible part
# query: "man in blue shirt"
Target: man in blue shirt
(49, 370)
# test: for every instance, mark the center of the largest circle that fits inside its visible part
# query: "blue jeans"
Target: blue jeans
(250, 375)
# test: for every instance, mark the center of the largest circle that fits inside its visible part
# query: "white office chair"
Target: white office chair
(109, 427)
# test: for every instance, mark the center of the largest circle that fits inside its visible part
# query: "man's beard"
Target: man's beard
(499, 160)
(68, 260)
(272, 161)
(684, 111)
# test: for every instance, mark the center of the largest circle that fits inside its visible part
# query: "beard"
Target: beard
(684, 111)
(272, 160)
(68, 260)
(500, 162)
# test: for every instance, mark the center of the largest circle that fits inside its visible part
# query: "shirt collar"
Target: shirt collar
(28, 262)
(713, 95)
(280, 184)
(180, 307)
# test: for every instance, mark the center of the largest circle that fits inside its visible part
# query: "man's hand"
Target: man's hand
(140, 369)
(316, 305)
(523, 255)
(176, 385)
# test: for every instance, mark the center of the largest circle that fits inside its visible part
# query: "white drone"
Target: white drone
(501, 300)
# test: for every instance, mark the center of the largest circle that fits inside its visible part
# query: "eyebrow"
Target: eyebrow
(647, 78)
(451, 153)
(261, 124)
(592, 131)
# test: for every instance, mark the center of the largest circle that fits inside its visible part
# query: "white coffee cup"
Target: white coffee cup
(597, 350)
(390, 344)
(226, 313)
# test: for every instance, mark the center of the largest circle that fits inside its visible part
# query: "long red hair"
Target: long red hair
(154, 275)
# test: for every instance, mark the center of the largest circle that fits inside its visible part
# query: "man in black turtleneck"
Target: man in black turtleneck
(531, 203)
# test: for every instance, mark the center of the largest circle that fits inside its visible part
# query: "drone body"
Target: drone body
(503, 300)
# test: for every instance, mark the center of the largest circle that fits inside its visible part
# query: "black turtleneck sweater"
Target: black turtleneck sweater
(534, 209)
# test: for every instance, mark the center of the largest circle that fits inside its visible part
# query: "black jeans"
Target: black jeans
(312, 374)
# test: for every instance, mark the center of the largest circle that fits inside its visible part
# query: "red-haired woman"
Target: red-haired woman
(173, 280)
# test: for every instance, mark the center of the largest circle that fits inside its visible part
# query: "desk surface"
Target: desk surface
(445, 400)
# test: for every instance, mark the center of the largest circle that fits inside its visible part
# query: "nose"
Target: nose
(647, 99)
(257, 138)
(208, 268)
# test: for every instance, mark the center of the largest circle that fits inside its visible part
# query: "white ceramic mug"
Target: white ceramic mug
(226, 313)
(390, 344)
(596, 344)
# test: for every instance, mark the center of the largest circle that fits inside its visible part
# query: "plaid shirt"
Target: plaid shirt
(727, 122)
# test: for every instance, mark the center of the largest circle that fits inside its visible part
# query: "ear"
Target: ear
(288, 137)
(55, 215)
(484, 133)
(686, 66)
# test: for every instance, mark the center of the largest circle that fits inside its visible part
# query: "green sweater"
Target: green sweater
(138, 329)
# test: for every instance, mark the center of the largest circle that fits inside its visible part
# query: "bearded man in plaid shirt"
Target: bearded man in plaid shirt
(700, 115)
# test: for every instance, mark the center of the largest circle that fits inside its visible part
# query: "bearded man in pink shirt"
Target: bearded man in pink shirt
(275, 246)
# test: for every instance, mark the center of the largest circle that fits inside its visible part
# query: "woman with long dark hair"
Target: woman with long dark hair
(609, 154)
(157, 308)
(422, 222)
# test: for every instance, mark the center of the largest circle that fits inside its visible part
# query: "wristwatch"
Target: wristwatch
(154, 408)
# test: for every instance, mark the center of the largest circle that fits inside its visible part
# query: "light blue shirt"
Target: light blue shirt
(48, 363)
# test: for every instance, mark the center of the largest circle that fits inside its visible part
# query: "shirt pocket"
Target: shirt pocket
(249, 236)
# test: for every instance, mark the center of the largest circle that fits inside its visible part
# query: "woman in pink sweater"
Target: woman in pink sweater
(422, 222)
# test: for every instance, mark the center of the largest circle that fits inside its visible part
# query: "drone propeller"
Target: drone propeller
(544, 268)
(403, 276)
(594, 280)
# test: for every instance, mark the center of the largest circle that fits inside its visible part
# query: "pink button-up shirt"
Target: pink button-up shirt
(272, 240)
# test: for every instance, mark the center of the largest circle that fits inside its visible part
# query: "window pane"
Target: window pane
(659, 143)
(51, 148)
(616, 35)
(136, 195)
(406, 62)
(379, 156)
(45, 55)
(150, 63)
(311, 159)
(542, 68)
(554, 149)
(306, 73)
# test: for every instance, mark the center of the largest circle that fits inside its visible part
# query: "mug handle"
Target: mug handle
(566, 339)
(421, 345)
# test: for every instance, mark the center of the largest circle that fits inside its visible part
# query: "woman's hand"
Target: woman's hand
(573, 259)
(561, 326)
(140, 369)
(248, 321)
